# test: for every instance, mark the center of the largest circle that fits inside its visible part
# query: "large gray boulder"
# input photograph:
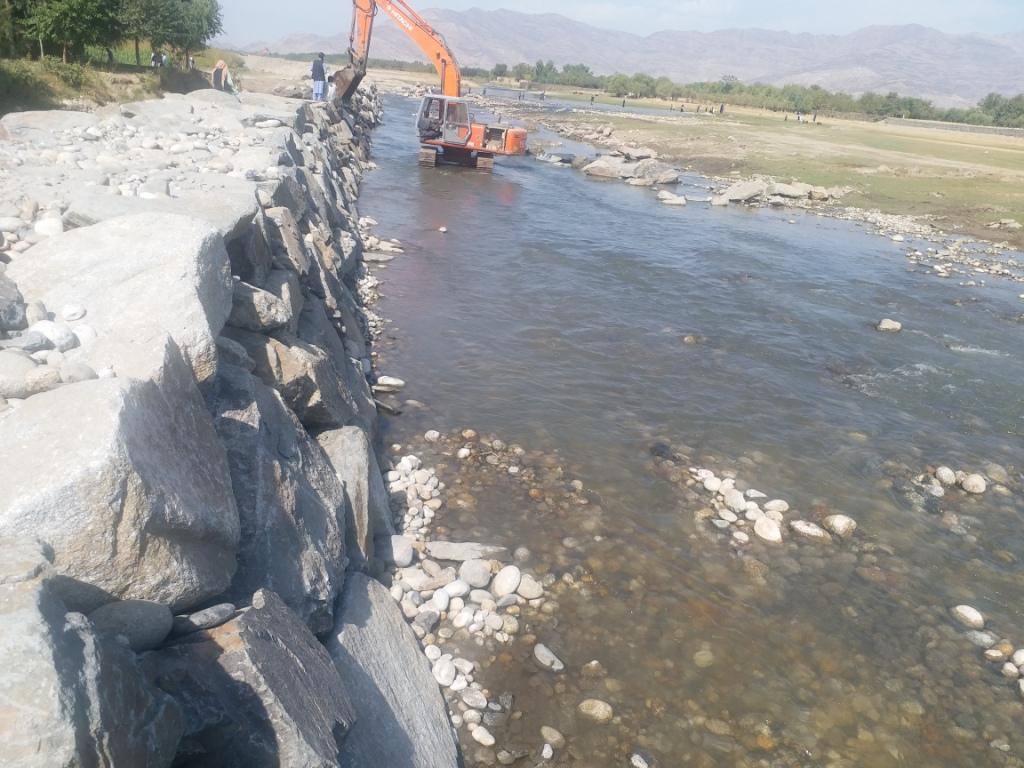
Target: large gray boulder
(254, 309)
(367, 513)
(795, 191)
(303, 374)
(128, 483)
(316, 328)
(291, 505)
(140, 278)
(258, 691)
(225, 203)
(68, 696)
(12, 305)
(401, 718)
(745, 191)
(609, 167)
(656, 172)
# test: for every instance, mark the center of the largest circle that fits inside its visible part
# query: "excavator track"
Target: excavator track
(428, 157)
(485, 163)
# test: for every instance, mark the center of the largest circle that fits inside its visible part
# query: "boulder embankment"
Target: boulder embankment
(186, 443)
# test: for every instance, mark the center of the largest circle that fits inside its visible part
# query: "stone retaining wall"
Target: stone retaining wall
(186, 431)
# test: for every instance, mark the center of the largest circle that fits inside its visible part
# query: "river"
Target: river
(583, 320)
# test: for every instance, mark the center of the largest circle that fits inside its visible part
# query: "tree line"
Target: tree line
(39, 28)
(994, 109)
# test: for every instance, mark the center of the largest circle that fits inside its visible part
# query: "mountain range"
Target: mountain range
(914, 60)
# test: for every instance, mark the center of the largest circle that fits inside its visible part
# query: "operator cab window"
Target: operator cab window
(457, 113)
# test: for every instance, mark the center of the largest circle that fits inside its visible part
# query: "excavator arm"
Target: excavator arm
(430, 41)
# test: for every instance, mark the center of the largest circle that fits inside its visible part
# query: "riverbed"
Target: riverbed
(629, 343)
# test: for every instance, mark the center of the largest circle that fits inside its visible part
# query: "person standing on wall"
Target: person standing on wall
(319, 77)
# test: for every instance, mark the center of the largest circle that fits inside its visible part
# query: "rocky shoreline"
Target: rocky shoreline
(641, 166)
(192, 506)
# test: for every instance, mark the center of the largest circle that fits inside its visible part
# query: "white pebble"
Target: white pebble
(969, 616)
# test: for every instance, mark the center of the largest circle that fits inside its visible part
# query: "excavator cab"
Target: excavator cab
(448, 131)
(444, 118)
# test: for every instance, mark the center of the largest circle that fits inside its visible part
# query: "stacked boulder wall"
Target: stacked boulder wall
(162, 453)
(139, 278)
(128, 484)
(291, 505)
(68, 696)
(257, 691)
(401, 718)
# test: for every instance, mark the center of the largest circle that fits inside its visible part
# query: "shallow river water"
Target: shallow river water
(633, 341)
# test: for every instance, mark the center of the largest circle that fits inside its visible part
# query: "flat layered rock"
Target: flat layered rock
(465, 550)
(258, 691)
(401, 718)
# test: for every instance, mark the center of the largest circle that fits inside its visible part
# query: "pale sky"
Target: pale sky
(250, 20)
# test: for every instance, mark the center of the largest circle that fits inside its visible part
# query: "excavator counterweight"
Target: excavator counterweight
(445, 126)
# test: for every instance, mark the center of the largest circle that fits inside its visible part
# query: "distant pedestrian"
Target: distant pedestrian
(623, 103)
(192, 63)
(221, 79)
(164, 60)
(815, 116)
(591, 98)
(154, 60)
(319, 76)
(721, 108)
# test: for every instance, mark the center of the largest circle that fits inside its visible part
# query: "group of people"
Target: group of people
(323, 86)
(158, 59)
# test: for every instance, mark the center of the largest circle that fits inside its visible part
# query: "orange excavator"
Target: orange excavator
(446, 128)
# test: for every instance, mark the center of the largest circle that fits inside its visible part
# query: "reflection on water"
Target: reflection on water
(582, 320)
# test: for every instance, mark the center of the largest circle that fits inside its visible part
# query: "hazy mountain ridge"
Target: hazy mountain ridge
(912, 59)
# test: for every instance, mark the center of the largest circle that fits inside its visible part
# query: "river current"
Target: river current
(635, 341)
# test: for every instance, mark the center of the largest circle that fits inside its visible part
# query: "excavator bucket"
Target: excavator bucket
(346, 82)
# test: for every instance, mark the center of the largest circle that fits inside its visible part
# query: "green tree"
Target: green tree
(618, 85)
(522, 71)
(664, 88)
(500, 70)
(148, 20)
(196, 22)
(74, 24)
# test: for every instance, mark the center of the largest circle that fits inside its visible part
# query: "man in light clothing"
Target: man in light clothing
(319, 78)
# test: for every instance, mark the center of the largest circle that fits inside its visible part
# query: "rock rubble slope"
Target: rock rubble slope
(186, 441)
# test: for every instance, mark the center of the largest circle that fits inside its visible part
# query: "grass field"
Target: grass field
(51, 84)
(963, 180)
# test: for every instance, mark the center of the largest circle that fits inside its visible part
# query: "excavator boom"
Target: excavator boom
(429, 40)
(445, 126)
